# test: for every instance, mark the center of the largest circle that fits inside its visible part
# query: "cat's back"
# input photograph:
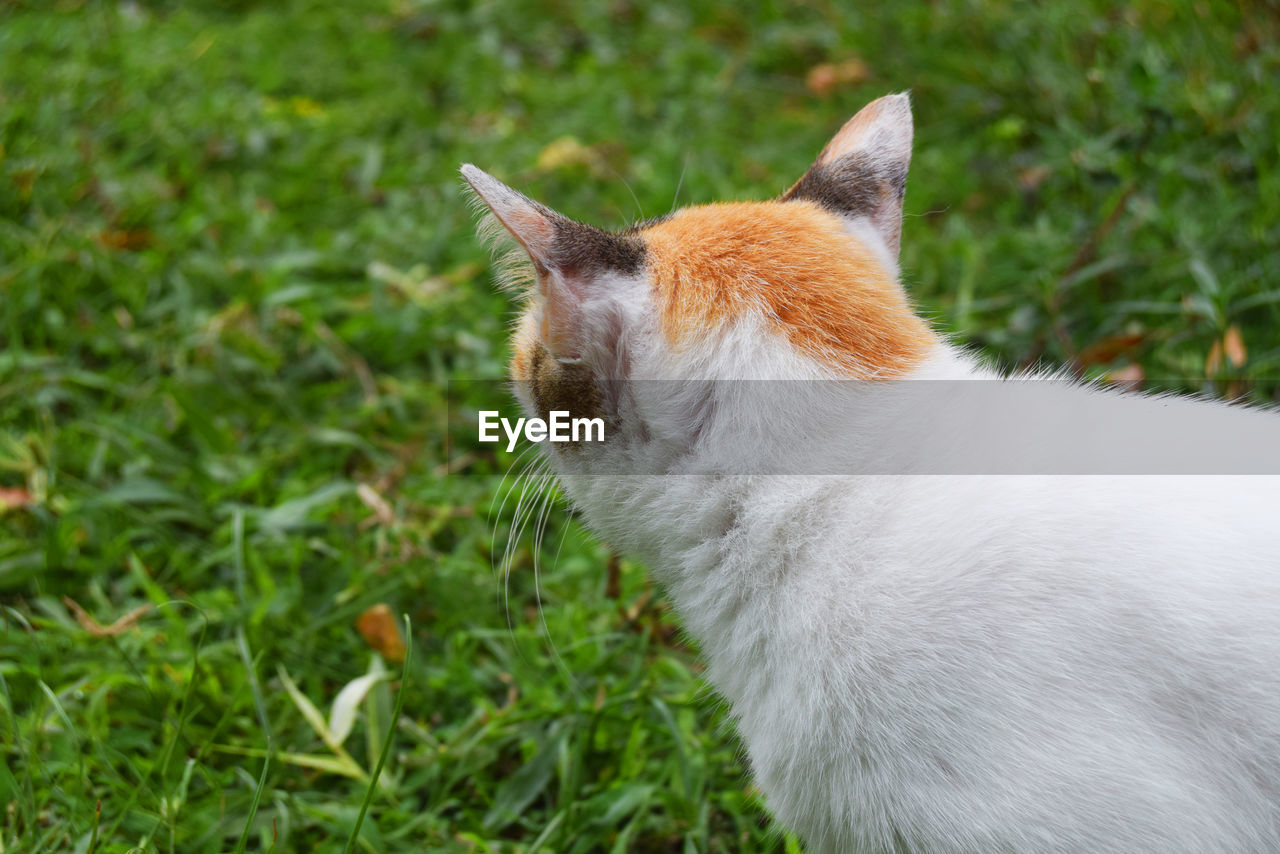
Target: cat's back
(990, 658)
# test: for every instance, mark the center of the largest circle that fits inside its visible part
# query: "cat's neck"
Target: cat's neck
(798, 449)
(762, 448)
(747, 556)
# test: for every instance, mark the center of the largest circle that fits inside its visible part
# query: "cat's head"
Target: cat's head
(801, 287)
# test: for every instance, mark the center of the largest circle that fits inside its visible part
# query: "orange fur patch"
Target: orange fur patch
(794, 262)
(524, 340)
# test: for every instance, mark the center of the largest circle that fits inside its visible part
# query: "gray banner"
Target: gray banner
(1035, 427)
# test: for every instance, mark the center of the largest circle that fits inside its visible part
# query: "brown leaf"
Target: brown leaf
(381, 632)
(568, 151)
(382, 512)
(613, 576)
(1109, 349)
(14, 498)
(1213, 362)
(1033, 176)
(93, 627)
(513, 693)
(1130, 376)
(1233, 346)
(1228, 350)
(126, 239)
(825, 78)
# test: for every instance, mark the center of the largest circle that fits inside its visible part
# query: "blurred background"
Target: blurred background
(237, 275)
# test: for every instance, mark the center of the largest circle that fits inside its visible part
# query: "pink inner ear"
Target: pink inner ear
(851, 136)
(881, 128)
(535, 232)
(561, 321)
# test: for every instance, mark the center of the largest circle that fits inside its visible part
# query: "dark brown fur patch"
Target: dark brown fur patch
(584, 250)
(853, 185)
(555, 386)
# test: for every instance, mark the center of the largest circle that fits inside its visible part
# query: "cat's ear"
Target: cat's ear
(862, 173)
(531, 224)
(554, 241)
(573, 262)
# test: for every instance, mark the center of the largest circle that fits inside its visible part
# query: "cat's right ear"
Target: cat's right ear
(531, 224)
(577, 252)
(572, 261)
(862, 173)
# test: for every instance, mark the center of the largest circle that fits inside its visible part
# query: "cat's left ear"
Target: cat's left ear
(862, 173)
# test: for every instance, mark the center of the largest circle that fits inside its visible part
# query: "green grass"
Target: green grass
(237, 274)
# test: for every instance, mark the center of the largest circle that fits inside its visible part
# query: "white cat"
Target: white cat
(1016, 660)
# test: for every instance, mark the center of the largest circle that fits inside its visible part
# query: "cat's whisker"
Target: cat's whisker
(493, 532)
(510, 468)
(502, 566)
(548, 504)
(498, 567)
(516, 483)
(675, 199)
(634, 197)
(527, 487)
(531, 491)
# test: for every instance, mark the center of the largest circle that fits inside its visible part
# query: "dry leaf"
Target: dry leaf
(1032, 177)
(613, 577)
(1213, 362)
(1233, 347)
(127, 240)
(1131, 376)
(567, 151)
(1108, 349)
(382, 511)
(93, 627)
(825, 78)
(342, 717)
(513, 693)
(14, 498)
(381, 631)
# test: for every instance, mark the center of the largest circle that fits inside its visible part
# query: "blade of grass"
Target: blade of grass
(142, 786)
(386, 744)
(327, 764)
(545, 836)
(26, 794)
(183, 718)
(686, 777)
(317, 722)
(97, 821)
(242, 644)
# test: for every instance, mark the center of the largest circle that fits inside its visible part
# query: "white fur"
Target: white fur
(934, 663)
(934, 637)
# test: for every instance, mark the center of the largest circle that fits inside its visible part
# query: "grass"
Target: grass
(237, 277)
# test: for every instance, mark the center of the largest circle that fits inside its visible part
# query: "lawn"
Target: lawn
(238, 277)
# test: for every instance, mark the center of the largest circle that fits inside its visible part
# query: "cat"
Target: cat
(1017, 660)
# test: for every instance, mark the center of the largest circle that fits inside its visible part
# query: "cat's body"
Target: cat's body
(916, 661)
(983, 663)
